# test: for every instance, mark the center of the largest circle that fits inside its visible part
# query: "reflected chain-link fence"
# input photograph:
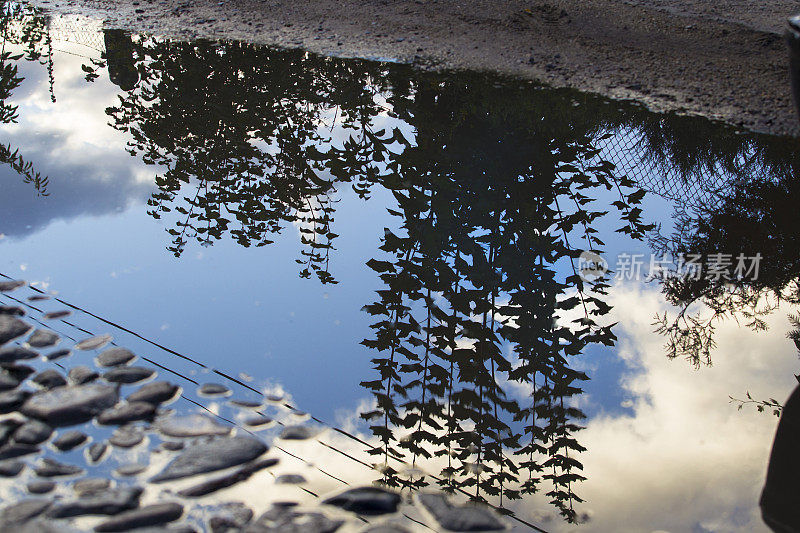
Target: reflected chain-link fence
(75, 30)
(627, 151)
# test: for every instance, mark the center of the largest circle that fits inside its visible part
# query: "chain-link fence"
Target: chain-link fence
(83, 31)
(627, 151)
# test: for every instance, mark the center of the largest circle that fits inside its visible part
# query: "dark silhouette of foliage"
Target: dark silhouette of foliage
(471, 286)
(754, 217)
(489, 197)
(237, 129)
(229, 121)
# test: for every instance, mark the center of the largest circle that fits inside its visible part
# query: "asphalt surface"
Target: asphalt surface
(724, 60)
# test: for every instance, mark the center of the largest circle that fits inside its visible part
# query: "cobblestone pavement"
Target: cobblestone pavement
(94, 437)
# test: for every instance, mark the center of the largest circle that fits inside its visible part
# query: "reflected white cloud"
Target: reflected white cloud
(686, 459)
(70, 142)
(682, 458)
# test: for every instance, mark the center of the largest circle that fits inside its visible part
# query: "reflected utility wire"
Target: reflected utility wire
(308, 463)
(245, 385)
(190, 400)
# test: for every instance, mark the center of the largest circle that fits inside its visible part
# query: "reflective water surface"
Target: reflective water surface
(395, 259)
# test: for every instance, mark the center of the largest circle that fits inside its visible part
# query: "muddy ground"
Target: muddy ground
(725, 60)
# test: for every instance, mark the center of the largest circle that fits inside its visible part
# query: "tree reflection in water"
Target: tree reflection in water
(495, 193)
(499, 186)
(754, 215)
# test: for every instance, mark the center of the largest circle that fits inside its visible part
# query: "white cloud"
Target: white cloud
(682, 457)
(78, 119)
(686, 459)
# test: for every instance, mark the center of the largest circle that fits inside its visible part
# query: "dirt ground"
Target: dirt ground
(724, 59)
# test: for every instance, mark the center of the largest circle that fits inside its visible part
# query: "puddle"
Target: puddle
(429, 280)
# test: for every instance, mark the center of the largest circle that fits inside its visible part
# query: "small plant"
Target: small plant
(761, 405)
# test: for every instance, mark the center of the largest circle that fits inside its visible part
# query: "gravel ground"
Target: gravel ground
(725, 60)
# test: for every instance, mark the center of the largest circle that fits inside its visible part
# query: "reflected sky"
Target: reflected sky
(71, 140)
(666, 450)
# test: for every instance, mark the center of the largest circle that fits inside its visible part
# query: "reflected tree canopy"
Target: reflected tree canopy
(755, 218)
(472, 295)
(495, 190)
(499, 187)
(752, 215)
(239, 132)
